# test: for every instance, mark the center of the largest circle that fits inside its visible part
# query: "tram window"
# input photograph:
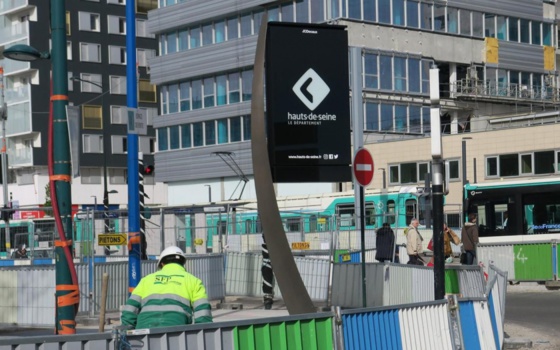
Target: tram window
(293, 224)
(222, 227)
(370, 213)
(391, 212)
(248, 226)
(410, 206)
(313, 223)
(346, 214)
(453, 220)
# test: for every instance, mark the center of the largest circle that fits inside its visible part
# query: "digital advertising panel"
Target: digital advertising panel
(307, 102)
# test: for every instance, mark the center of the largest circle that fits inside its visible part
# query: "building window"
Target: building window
(163, 139)
(117, 55)
(90, 176)
(116, 25)
(92, 117)
(142, 29)
(147, 91)
(90, 52)
(92, 143)
(118, 144)
(90, 82)
(89, 21)
(117, 85)
(143, 6)
(117, 176)
(69, 50)
(143, 55)
(68, 22)
(119, 115)
(117, 2)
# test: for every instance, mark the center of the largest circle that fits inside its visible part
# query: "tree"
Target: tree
(48, 195)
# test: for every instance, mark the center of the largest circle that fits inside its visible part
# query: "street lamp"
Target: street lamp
(105, 181)
(59, 163)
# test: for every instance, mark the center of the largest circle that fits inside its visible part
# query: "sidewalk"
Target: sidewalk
(233, 309)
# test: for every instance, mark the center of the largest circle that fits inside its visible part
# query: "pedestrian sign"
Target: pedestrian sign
(112, 239)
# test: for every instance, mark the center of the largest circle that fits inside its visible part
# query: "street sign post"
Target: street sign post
(363, 173)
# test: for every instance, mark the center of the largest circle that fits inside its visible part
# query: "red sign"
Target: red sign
(31, 214)
(363, 167)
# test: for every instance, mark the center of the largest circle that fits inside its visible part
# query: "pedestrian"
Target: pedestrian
(414, 243)
(469, 237)
(384, 243)
(449, 236)
(168, 297)
(21, 253)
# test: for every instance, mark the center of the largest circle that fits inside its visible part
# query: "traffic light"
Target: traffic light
(147, 170)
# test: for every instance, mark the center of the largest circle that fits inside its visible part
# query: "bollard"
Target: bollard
(103, 301)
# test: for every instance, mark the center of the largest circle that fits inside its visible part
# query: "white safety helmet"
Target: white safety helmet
(171, 251)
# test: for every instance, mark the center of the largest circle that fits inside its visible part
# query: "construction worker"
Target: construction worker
(168, 297)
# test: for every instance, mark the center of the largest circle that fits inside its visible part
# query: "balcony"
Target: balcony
(12, 33)
(11, 66)
(19, 119)
(18, 155)
(6, 6)
(16, 95)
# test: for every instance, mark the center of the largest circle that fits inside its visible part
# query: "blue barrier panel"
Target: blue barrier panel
(372, 330)
(468, 325)
(493, 319)
(6, 263)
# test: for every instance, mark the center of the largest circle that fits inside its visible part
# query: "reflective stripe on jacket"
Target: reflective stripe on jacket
(169, 297)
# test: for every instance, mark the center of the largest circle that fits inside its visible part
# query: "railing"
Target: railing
(488, 89)
(7, 5)
(13, 33)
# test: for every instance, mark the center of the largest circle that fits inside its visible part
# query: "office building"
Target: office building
(497, 74)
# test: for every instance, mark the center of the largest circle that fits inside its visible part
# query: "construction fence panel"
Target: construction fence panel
(244, 277)
(415, 326)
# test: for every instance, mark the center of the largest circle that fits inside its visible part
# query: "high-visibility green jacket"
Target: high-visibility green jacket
(169, 297)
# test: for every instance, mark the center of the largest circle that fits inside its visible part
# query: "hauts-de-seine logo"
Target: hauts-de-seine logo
(311, 89)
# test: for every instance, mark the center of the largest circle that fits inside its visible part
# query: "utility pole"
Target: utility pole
(4, 117)
(437, 185)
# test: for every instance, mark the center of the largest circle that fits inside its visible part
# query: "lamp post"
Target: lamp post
(67, 288)
(465, 181)
(92, 257)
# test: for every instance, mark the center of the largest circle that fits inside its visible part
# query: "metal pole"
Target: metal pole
(4, 116)
(91, 259)
(363, 242)
(437, 185)
(465, 181)
(134, 254)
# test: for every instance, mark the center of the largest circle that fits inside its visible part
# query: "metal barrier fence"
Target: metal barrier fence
(27, 295)
(469, 323)
(523, 261)
(243, 275)
(393, 284)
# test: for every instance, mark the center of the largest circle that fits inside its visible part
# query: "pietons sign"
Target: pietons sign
(307, 96)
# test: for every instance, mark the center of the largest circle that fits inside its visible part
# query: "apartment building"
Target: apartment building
(498, 84)
(96, 53)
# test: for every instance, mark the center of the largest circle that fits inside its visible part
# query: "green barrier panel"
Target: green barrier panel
(532, 262)
(451, 282)
(338, 254)
(313, 334)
